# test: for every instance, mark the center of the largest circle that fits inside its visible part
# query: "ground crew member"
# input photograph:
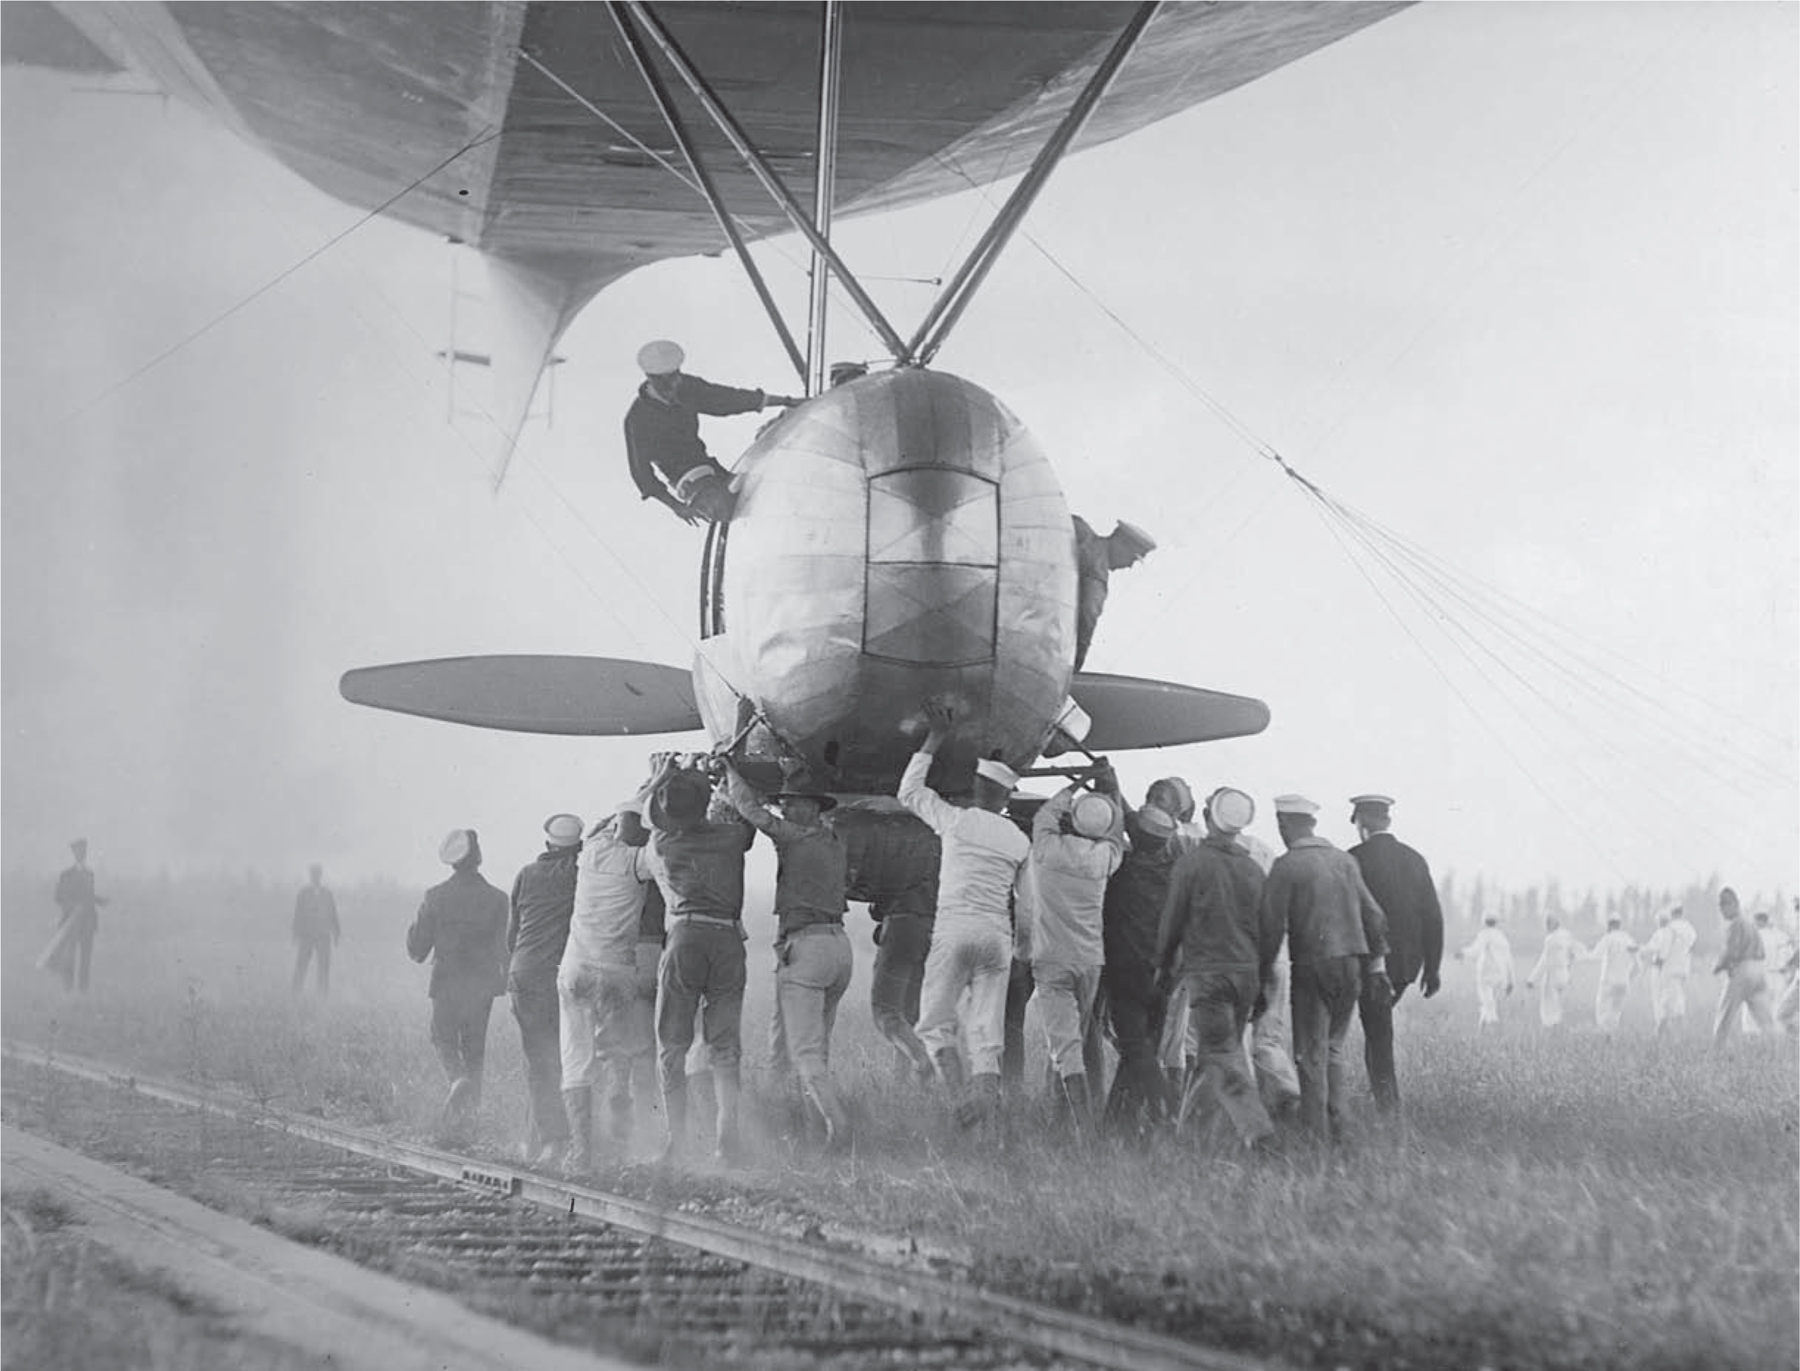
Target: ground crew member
(316, 929)
(668, 461)
(1096, 558)
(1778, 951)
(604, 1026)
(1270, 1038)
(1077, 842)
(699, 864)
(461, 926)
(1562, 949)
(1175, 797)
(71, 951)
(537, 928)
(1492, 956)
(1337, 937)
(971, 942)
(1225, 937)
(813, 961)
(1741, 963)
(1617, 954)
(1400, 880)
(1668, 952)
(1135, 1004)
(893, 866)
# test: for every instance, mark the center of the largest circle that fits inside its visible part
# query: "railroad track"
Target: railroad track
(583, 1242)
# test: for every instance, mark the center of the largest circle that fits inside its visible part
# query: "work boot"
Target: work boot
(983, 1102)
(1074, 1104)
(578, 1154)
(950, 1072)
(457, 1115)
(725, 1090)
(675, 1122)
(837, 1122)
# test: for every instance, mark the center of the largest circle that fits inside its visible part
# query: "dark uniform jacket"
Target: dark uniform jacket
(1133, 910)
(1318, 892)
(1400, 881)
(700, 868)
(1215, 914)
(315, 915)
(75, 896)
(892, 862)
(543, 899)
(665, 438)
(462, 927)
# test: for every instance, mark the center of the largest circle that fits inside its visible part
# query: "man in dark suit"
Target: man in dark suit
(1401, 883)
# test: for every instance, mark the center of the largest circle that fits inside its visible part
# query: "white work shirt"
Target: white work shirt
(1777, 948)
(1678, 957)
(1615, 952)
(982, 855)
(1065, 885)
(610, 882)
(1492, 956)
(1561, 948)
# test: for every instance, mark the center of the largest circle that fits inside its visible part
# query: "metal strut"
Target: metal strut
(671, 116)
(831, 51)
(763, 172)
(950, 305)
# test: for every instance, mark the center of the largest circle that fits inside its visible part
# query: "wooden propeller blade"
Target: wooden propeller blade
(1132, 712)
(591, 696)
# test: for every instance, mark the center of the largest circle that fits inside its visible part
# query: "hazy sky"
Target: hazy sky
(1516, 281)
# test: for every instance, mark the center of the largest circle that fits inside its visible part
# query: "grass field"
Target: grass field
(1552, 1200)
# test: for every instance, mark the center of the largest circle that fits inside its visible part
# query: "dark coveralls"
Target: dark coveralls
(1400, 880)
(893, 865)
(662, 444)
(1133, 909)
(315, 930)
(1093, 573)
(75, 897)
(461, 926)
(543, 899)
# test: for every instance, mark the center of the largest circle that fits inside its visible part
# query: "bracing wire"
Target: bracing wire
(487, 135)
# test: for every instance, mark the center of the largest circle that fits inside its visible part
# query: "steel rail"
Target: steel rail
(831, 55)
(1058, 1331)
(727, 124)
(709, 189)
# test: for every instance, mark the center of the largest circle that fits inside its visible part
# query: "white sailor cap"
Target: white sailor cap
(455, 846)
(1294, 804)
(1156, 822)
(992, 769)
(564, 830)
(660, 357)
(1092, 816)
(1231, 810)
(1374, 801)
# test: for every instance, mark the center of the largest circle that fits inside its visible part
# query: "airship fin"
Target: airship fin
(1132, 712)
(580, 696)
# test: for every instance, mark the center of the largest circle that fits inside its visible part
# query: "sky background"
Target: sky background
(1516, 281)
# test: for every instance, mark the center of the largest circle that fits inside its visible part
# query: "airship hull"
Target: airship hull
(900, 537)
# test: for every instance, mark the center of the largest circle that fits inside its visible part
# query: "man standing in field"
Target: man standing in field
(461, 926)
(1337, 938)
(1778, 952)
(1492, 956)
(1617, 955)
(1562, 949)
(543, 897)
(316, 929)
(1400, 880)
(1226, 937)
(971, 944)
(1669, 952)
(71, 951)
(1746, 982)
(893, 866)
(1077, 842)
(699, 864)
